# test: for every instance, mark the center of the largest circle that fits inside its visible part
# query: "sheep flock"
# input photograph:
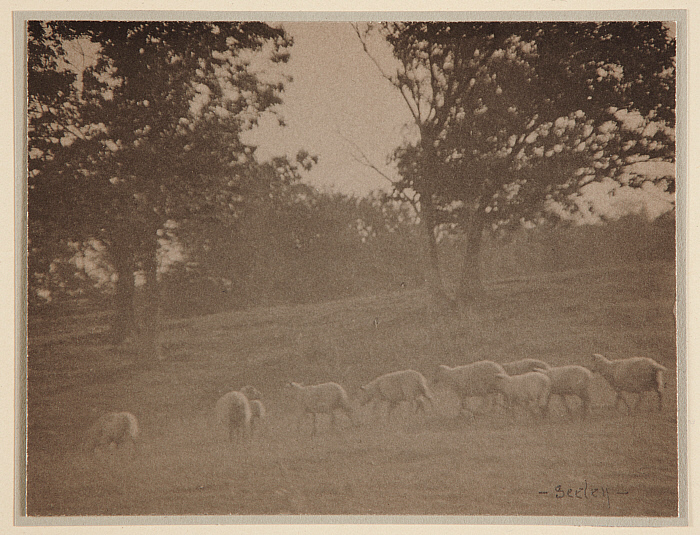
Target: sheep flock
(527, 387)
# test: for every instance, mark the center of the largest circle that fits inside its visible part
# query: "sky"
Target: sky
(338, 99)
(338, 107)
(337, 95)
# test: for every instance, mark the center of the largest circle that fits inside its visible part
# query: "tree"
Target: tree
(154, 136)
(512, 117)
(50, 106)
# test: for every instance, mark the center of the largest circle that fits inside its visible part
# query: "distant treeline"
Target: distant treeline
(347, 248)
(565, 246)
(319, 246)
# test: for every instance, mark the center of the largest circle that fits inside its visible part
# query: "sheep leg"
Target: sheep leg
(635, 404)
(548, 404)
(495, 401)
(543, 405)
(659, 388)
(586, 404)
(482, 403)
(421, 403)
(377, 408)
(350, 415)
(132, 447)
(619, 398)
(535, 408)
(498, 400)
(464, 409)
(392, 406)
(231, 433)
(463, 404)
(510, 411)
(302, 419)
(566, 405)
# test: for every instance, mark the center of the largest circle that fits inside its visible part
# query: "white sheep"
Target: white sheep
(112, 428)
(477, 379)
(635, 375)
(395, 387)
(324, 398)
(530, 390)
(233, 414)
(570, 381)
(519, 367)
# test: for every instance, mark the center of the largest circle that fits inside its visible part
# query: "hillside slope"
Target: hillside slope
(434, 464)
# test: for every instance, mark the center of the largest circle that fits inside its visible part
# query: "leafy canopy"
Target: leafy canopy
(156, 123)
(511, 115)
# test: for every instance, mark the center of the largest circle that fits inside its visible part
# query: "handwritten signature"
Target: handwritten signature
(584, 492)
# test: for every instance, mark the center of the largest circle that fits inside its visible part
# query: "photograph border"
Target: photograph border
(20, 237)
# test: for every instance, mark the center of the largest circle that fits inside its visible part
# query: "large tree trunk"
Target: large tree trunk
(431, 266)
(123, 322)
(470, 288)
(151, 338)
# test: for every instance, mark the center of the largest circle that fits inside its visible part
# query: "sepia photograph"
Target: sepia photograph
(340, 269)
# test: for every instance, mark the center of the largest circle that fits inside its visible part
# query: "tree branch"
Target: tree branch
(395, 82)
(360, 157)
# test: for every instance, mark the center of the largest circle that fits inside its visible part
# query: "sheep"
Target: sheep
(635, 375)
(570, 380)
(477, 379)
(112, 428)
(395, 387)
(233, 414)
(529, 389)
(324, 398)
(519, 367)
(257, 409)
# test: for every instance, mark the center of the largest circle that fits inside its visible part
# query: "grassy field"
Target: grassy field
(616, 464)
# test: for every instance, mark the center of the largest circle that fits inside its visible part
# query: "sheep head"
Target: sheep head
(364, 395)
(597, 361)
(440, 373)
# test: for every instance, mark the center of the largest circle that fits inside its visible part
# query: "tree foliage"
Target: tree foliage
(151, 134)
(511, 116)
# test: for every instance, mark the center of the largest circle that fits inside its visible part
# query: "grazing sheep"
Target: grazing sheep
(635, 375)
(530, 390)
(112, 428)
(233, 415)
(471, 380)
(325, 398)
(570, 380)
(519, 367)
(395, 387)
